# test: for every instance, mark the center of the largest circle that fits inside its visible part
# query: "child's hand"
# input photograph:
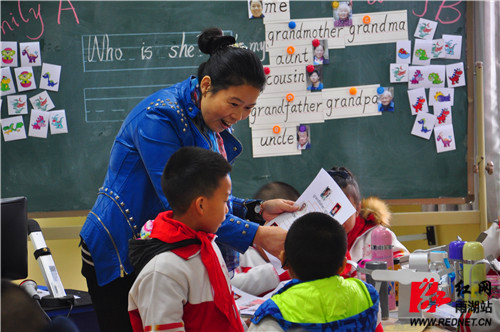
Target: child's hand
(274, 207)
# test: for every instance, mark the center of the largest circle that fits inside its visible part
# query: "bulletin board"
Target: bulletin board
(112, 56)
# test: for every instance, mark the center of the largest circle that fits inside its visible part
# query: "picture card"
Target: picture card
(418, 101)
(425, 29)
(9, 53)
(42, 101)
(399, 72)
(386, 99)
(39, 124)
(322, 195)
(25, 79)
(452, 46)
(437, 50)
(455, 75)
(445, 138)
(13, 128)
(30, 54)
(422, 52)
(423, 125)
(302, 56)
(278, 77)
(342, 14)
(375, 32)
(441, 95)
(443, 113)
(435, 76)
(17, 104)
(57, 120)
(255, 9)
(416, 77)
(267, 143)
(50, 76)
(8, 86)
(403, 51)
(276, 11)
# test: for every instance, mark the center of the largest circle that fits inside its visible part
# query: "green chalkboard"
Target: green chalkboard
(115, 53)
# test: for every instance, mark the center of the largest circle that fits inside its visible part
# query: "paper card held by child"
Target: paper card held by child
(322, 195)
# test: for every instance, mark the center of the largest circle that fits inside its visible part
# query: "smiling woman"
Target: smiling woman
(196, 112)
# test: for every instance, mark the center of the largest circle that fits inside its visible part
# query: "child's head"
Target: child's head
(197, 180)
(277, 189)
(315, 247)
(346, 181)
(314, 76)
(319, 51)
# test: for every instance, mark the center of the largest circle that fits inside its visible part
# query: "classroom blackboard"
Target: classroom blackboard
(115, 53)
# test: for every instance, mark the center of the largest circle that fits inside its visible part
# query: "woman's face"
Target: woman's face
(226, 107)
(256, 8)
(314, 77)
(385, 99)
(343, 13)
(319, 51)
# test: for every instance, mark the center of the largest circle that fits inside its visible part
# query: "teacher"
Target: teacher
(196, 112)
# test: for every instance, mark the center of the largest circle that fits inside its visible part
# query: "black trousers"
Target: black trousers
(110, 301)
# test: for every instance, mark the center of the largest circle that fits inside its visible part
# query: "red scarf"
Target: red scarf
(360, 227)
(169, 230)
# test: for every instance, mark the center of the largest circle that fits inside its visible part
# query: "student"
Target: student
(186, 288)
(318, 299)
(199, 111)
(256, 275)
(256, 9)
(316, 84)
(319, 55)
(370, 212)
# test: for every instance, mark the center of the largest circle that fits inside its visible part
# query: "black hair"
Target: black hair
(347, 182)
(277, 189)
(228, 66)
(315, 246)
(192, 172)
(314, 71)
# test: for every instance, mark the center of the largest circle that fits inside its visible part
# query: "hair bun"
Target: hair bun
(211, 39)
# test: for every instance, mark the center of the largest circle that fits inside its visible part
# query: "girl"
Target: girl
(370, 212)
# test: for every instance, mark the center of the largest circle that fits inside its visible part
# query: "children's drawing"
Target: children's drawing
(38, 124)
(418, 101)
(58, 122)
(24, 78)
(9, 53)
(437, 49)
(399, 72)
(452, 46)
(42, 102)
(13, 128)
(425, 29)
(455, 75)
(30, 54)
(7, 83)
(403, 51)
(445, 138)
(423, 125)
(50, 77)
(434, 78)
(17, 104)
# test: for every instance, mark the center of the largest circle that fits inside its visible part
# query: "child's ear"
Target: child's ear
(199, 203)
(342, 268)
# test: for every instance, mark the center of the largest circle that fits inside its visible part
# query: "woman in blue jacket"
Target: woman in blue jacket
(196, 112)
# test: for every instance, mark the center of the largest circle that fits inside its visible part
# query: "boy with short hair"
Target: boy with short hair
(318, 298)
(186, 288)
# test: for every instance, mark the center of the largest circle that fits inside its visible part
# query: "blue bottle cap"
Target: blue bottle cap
(455, 249)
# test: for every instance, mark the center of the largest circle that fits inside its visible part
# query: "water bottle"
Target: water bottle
(455, 249)
(381, 239)
(473, 275)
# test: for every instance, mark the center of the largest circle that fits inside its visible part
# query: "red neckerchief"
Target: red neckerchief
(169, 230)
(360, 227)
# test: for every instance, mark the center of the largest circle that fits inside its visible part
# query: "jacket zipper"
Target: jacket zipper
(123, 212)
(122, 269)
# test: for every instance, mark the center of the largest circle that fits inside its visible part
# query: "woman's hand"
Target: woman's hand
(274, 207)
(271, 239)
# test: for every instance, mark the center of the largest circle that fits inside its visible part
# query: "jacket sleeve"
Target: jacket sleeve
(267, 324)
(147, 301)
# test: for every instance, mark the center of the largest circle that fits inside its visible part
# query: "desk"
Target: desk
(82, 314)
(393, 324)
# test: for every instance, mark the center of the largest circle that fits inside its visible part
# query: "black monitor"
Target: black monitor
(14, 238)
